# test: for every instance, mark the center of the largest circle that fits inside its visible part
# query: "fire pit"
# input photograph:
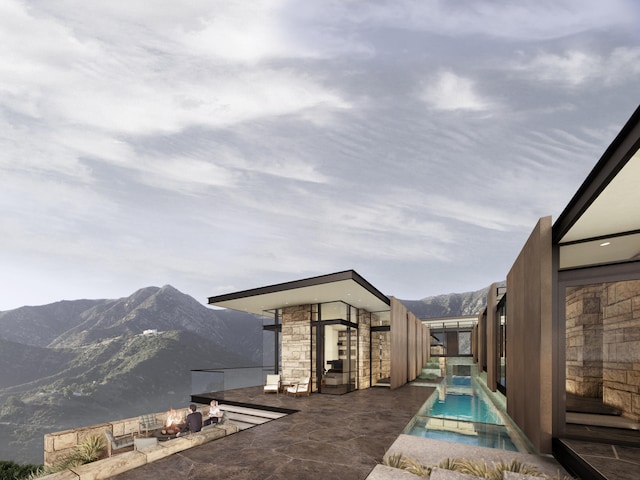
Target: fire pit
(174, 421)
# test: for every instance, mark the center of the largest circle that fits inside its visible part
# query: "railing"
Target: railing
(221, 379)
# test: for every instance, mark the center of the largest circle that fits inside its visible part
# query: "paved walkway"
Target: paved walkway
(331, 436)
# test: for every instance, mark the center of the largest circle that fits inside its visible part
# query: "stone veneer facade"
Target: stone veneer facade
(299, 344)
(364, 352)
(584, 341)
(603, 344)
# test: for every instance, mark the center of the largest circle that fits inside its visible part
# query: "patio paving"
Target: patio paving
(330, 436)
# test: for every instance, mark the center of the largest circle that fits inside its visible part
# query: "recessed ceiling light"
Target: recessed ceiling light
(604, 244)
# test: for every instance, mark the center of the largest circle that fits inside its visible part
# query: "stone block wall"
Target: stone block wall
(603, 344)
(364, 350)
(381, 352)
(621, 345)
(60, 444)
(584, 329)
(296, 342)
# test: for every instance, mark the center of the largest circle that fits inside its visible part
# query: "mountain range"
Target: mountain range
(84, 362)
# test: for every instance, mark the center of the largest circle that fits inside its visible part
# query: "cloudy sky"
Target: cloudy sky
(225, 145)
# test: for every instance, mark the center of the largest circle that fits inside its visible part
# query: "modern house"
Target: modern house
(561, 342)
(337, 329)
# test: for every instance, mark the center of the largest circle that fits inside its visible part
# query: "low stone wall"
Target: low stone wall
(59, 444)
(124, 462)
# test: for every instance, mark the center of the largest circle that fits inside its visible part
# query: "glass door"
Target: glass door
(337, 358)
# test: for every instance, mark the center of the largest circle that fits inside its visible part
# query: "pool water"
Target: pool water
(459, 412)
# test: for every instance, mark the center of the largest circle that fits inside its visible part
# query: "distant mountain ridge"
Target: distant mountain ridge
(450, 305)
(81, 362)
(89, 361)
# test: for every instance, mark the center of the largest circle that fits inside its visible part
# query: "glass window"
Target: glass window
(334, 311)
(602, 342)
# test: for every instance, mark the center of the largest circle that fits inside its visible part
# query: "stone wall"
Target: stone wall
(123, 462)
(603, 344)
(584, 341)
(59, 444)
(364, 349)
(296, 343)
(381, 354)
(621, 347)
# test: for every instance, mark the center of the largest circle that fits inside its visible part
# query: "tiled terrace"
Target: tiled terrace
(330, 436)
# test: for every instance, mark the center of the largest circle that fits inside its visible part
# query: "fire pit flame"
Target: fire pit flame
(173, 422)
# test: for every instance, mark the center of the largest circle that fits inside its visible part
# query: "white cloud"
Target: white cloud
(449, 91)
(52, 72)
(577, 67)
(202, 142)
(524, 19)
(245, 32)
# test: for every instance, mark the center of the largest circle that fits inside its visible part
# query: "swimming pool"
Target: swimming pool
(458, 411)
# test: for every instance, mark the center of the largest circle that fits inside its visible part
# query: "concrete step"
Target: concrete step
(246, 417)
(253, 419)
(242, 425)
(252, 411)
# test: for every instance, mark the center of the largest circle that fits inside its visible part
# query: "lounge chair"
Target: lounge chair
(300, 388)
(149, 423)
(272, 384)
(114, 443)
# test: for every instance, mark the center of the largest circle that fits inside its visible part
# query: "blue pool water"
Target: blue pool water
(459, 412)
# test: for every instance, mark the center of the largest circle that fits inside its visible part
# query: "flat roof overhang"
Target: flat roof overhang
(601, 223)
(348, 287)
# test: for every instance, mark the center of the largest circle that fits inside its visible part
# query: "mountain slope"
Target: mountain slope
(449, 305)
(89, 361)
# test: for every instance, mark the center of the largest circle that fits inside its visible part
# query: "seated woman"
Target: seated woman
(215, 414)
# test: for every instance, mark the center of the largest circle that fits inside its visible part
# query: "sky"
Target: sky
(219, 146)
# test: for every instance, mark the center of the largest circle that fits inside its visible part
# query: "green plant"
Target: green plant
(88, 450)
(10, 470)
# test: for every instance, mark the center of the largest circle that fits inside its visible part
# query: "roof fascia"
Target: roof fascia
(306, 282)
(612, 161)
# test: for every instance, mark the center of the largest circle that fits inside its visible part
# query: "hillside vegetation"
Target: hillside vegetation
(83, 362)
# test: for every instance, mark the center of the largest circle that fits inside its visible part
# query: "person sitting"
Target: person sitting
(193, 423)
(215, 414)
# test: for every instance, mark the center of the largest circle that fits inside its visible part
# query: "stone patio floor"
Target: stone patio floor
(330, 436)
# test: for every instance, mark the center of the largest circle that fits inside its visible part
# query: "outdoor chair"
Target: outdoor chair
(272, 384)
(148, 423)
(114, 443)
(300, 388)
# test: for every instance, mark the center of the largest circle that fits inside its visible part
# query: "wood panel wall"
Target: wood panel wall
(409, 345)
(493, 329)
(529, 338)
(399, 335)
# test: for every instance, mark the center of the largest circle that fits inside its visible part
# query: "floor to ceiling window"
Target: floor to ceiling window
(602, 351)
(336, 348)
